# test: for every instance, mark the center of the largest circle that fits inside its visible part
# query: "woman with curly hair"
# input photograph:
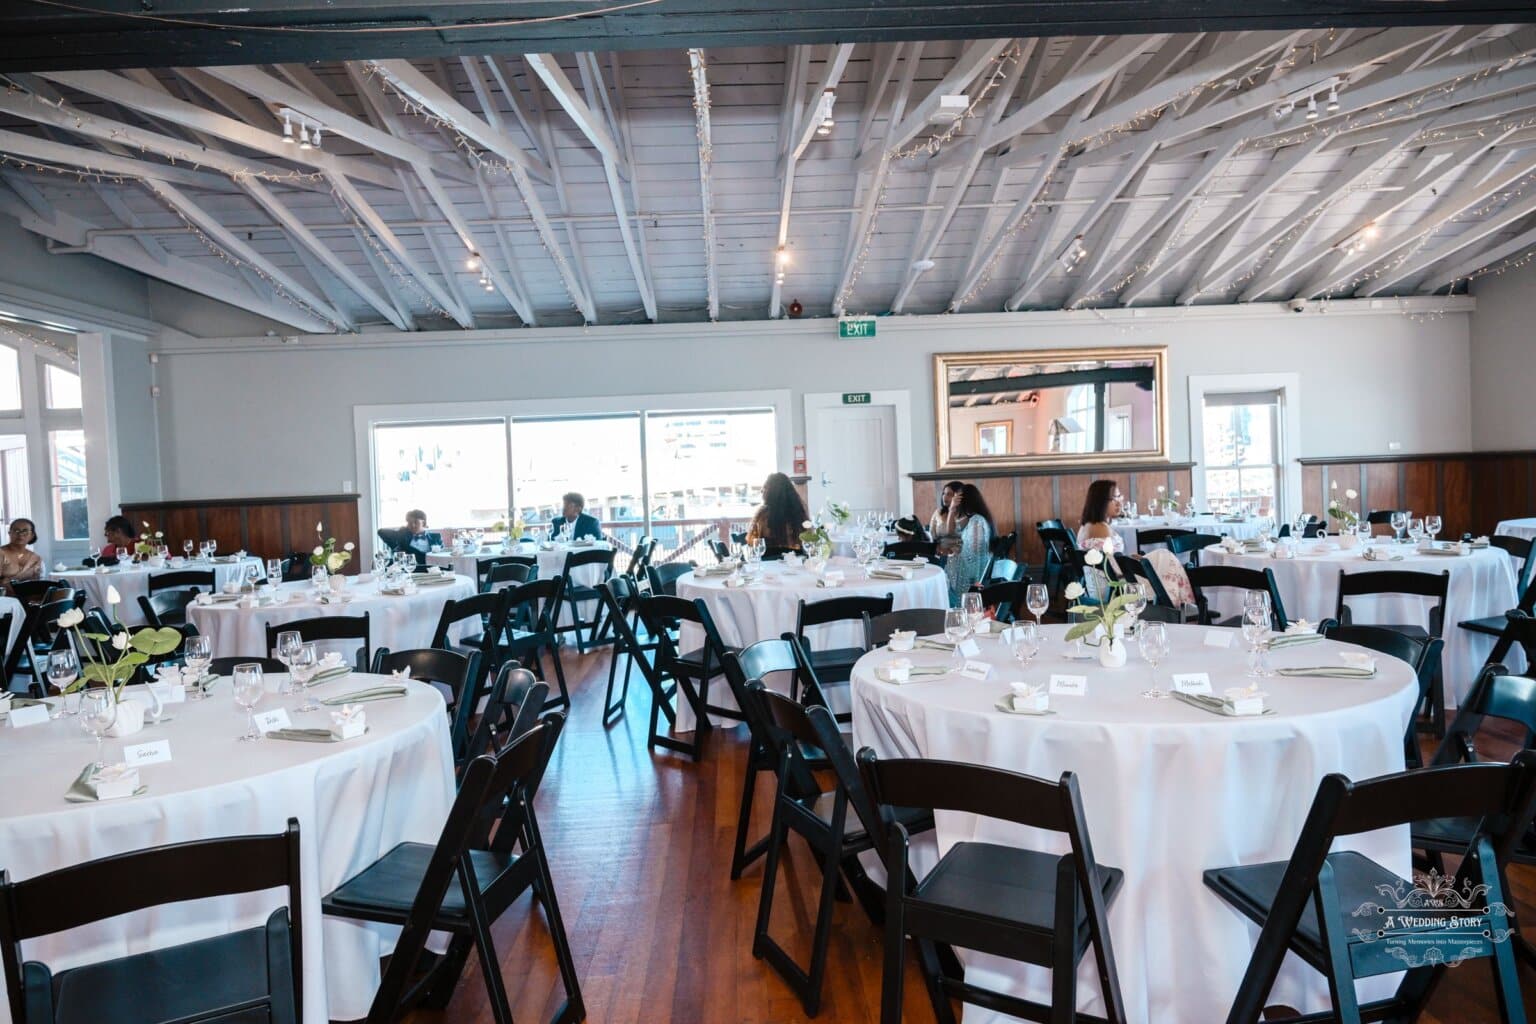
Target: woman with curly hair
(968, 541)
(781, 516)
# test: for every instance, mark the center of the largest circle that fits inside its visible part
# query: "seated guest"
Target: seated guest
(413, 536)
(574, 524)
(939, 525)
(781, 517)
(967, 541)
(1101, 505)
(908, 528)
(122, 536)
(17, 561)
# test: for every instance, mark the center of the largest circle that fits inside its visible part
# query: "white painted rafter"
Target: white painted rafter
(698, 70)
(973, 60)
(1417, 263)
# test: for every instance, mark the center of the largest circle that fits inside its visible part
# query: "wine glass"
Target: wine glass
(274, 571)
(1415, 530)
(95, 554)
(759, 549)
(970, 603)
(1399, 524)
(1037, 598)
(1432, 526)
(1137, 598)
(213, 547)
(288, 642)
(1026, 643)
(187, 546)
(956, 626)
(302, 666)
(63, 669)
(249, 688)
(199, 656)
(98, 710)
(317, 578)
(1153, 640)
(1254, 630)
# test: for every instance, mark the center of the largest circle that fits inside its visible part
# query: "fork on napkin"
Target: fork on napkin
(359, 696)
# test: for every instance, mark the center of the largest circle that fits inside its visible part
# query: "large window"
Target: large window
(597, 457)
(66, 450)
(1242, 456)
(63, 387)
(455, 472)
(705, 466)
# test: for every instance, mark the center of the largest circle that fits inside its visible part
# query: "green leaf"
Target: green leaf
(100, 638)
(96, 672)
(155, 641)
(1081, 629)
(133, 659)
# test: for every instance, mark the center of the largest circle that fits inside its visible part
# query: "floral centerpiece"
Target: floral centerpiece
(838, 511)
(516, 529)
(325, 554)
(132, 650)
(1344, 513)
(1105, 615)
(149, 542)
(814, 540)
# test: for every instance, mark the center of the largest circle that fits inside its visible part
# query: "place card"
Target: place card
(1011, 636)
(1069, 686)
(976, 669)
(1191, 682)
(277, 718)
(137, 754)
(1218, 638)
(33, 714)
(968, 648)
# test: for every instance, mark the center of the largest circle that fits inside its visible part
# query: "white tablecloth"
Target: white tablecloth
(1168, 790)
(1525, 529)
(768, 609)
(355, 801)
(400, 622)
(132, 582)
(551, 561)
(842, 540)
(1482, 585)
(1213, 525)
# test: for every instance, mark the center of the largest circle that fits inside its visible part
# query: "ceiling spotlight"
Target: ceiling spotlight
(1333, 99)
(316, 137)
(824, 113)
(1311, 108)
(288, 131)
(489, 287)
(922, 266)
(304, 137)
(782, 256)
(486, 281)
(473, 263)
(1073, 254)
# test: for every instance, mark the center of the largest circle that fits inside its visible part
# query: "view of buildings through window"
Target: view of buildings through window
(1242, 451)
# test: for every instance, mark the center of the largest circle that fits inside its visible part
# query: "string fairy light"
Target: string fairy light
(475, 154)
(386, 258)
(8, 330)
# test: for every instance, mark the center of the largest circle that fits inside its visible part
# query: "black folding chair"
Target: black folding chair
(1203, 578)
(226, 666)
(484, 567)
(578, 594)
(1135, 569)
(532, 609)
(247, 975)
(908, 548)
(167, 608)
(1310, 905)
(987, 897)
(922, 621)
(1421, 653)
(1494, 625)
(487, 614)
(621, 606)
(463, 884)
(1191, 546)
(203, 579)
(1159, 535)
(1003, 598)
(1059, 547)
(1003, 570)
(689, 672)
(835, 665)
(1519, 630)
(40, 634)
(663, 578)
(32, 592)
(1433, 586)
(328, 629)
(506, 574)
(455, 671)
(514, 705)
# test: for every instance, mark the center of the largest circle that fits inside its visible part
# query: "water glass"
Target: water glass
(213, 547)
(303, 663)
(956, 626)
(1432, 526)
(187, 546)
(970, 603)
(1037, 598)
(1152, 638)
(759, 549)
(249, 689)
(63, 669)
(288, 642)
(98, 710)
(274, 571)
(1026, 643)
(199, 655)
(1415, 530)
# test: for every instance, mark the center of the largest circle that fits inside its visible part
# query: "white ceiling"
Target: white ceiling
(659, 185)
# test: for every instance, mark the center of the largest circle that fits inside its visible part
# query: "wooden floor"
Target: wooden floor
(640, 848)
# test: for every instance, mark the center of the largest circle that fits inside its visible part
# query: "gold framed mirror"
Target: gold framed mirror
(1068, 407)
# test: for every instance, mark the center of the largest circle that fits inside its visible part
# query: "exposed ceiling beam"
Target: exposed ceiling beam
(1012, 223)
(588, 121)
(973, 60)
(93, 161)
(874, 92)
(1481, 260)
(577, 284)
(698, 70)
(1417, 263)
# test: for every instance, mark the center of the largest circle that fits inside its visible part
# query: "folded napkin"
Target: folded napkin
(720, 569)
(1381, 555)
(111, 782)
(1028, 699)
(303, 735)
(830, 582)
(890, 574)
(1453, 550)
(885, 675)
(1282, 641)
(329, 673)
(933, 644)
(359, 696)
(427, 579)
(1330, 672)
(1220, 706)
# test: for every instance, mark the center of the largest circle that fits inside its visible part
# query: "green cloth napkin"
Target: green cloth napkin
(1330, 672)
(305, 735)
(331, 673)
(362, 696)
(80, 791)
(936, 645)
(1215, 705)
(886, 574)
(1282, 641)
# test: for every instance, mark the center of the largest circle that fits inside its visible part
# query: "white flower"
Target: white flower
(320, 527)
(1074, 591)
(120, 641)
(320, 551)
(1351, 495)
(806, 525)
(1163, 490)
(146, 525)
(113, 597)
(1335, 485)
(1093, 556)
(1175, 494)
(73, 617)
(348, 546)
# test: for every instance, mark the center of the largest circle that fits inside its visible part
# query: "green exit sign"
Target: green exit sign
(856, 327)
(856, 398)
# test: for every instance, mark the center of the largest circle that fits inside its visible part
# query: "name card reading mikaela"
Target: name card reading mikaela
(1069, 686)
(1191, 682)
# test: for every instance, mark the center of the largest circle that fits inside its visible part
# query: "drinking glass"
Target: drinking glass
(274, 571)
(1137, 599)
(95, 554)
(288, 642)
(1153, 640)
(1037, 599)
(1254, 630)
(98, 710)
(1026, 643)
(63, 669)
(198, 657)
(956, 626)
(187, 546)
(759, 549)
(249, 688)
(302, 666)
(1432, 526)
(213, 547)
(317, 578)
(1415, 530)
(1399, 524)
(970, 603)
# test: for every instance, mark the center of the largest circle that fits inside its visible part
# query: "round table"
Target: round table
(132, 581)
(842, 540)
(1482, 585)
(1169, 790)
(551, 564)
(401, 622)
(1216, 526)
(768, 609)
(1525, 529)
(355, 801)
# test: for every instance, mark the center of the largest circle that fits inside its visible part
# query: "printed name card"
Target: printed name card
(976, 669)
(1218, 638)
(1069, 686)
(137, 754)
(968, 648)
(35, 714)
(277, 718)
(1012, 635)
(1191, 682)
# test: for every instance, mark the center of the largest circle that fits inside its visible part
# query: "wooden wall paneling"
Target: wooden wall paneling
(1142, 487)
(1383, 486)
(997, 492)
(1456, 501)
(264, 531)
(299, 527)
(1184, 483)
(225, 525)
(925, 499)
(1421, 490)
(1071, 492)
(180, 525)
(1037, 501)
(1311, 492)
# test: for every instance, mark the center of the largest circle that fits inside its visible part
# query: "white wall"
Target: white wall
(255, 416)
(1504, 360)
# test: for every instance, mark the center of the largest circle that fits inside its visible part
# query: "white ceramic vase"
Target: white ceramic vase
(1112, 652)
(130, 718)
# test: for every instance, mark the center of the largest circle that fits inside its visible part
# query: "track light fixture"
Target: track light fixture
(1312, 108)
(824, 113)
(288, 130)
(1333, 100)
(473, 262)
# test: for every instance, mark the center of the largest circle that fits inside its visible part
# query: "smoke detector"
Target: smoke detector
(951, 108)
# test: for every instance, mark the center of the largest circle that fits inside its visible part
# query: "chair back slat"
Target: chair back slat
(326, 629)
(922, 621)
(1136, 569)
(1216, 577)
(201, 578)
(968, 788)
(513, 707)
(1453, 791)
(908, 548)
(851, 608)
(1159, 535)
(1406, 582)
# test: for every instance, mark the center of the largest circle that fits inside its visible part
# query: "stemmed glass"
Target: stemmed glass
(1026, 643)
(95, 554)
(199, 656)
(317, 577)
(1432, 526)
(63, 670)
(187, 546)
(98, 710)
(1137, 599)
(213, 547)
(302, 665)
(759, 549)
(956, 626)
(288, 642)
(249, 688)
(274, 572)
(970, 603)
(1415, 530)
(1399, 524)
(1152, 637)
(1037, 598)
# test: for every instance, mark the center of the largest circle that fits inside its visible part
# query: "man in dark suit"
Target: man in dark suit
(575, 524)
(413, 537)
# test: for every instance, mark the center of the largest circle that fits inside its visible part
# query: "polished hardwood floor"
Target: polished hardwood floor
(640, 848)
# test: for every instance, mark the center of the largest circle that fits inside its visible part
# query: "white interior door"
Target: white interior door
(853, 457)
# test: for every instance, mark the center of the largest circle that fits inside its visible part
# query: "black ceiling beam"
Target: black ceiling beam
(152, 33)
(1142, 376)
